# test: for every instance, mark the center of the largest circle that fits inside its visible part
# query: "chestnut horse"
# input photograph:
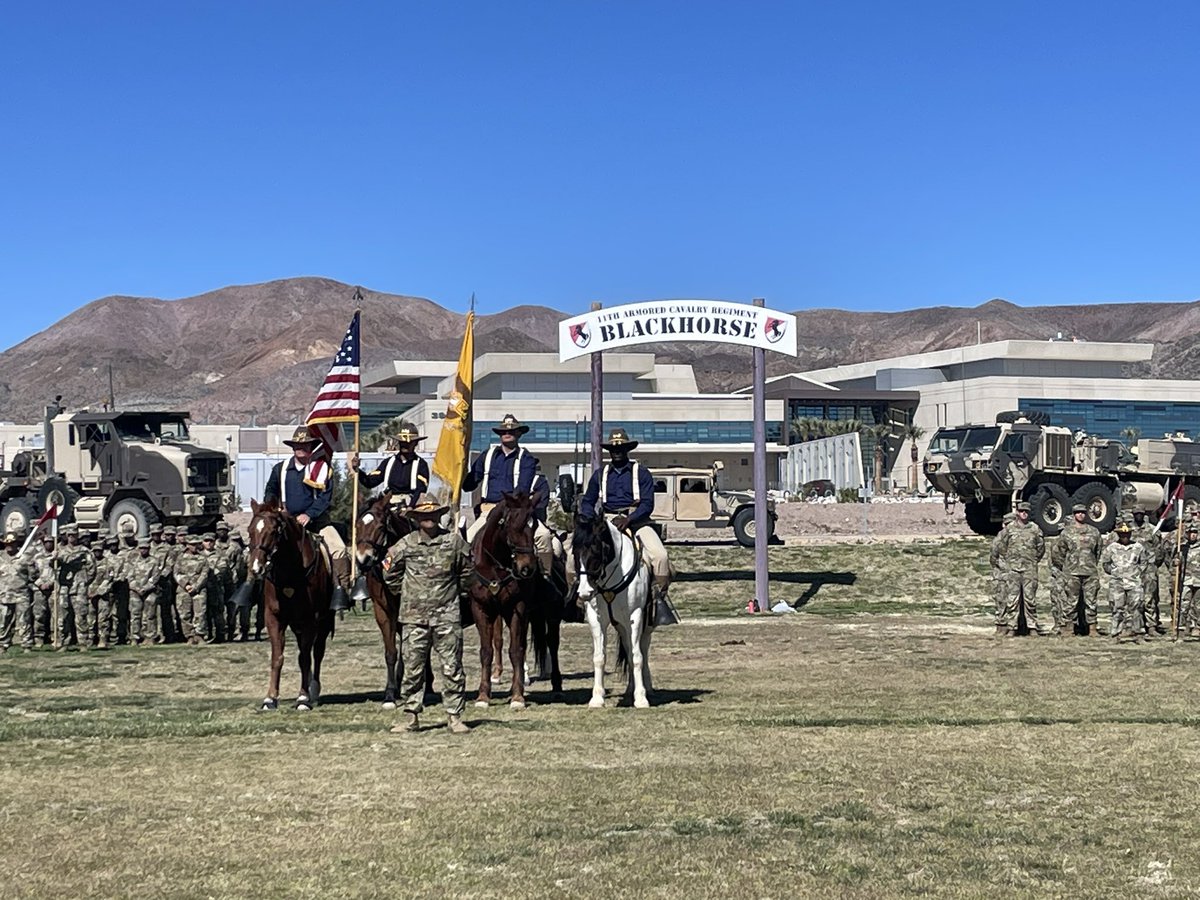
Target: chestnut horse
(502, 584)
(297, 585)
(379, 526)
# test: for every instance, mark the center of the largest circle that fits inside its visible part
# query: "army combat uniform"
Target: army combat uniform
(1079, 546)
(144, 575)
(75, 569)
(1146, 535)
(218, 576)
(1124, 562)
(427, 574)
(17, 574)
(191, 573)
(1021, 548)
(43, 592)
(1184, 564)
(999, 577)
(105, 570)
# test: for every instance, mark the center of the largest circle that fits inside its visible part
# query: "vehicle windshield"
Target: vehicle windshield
(148, 428)
(955, 440)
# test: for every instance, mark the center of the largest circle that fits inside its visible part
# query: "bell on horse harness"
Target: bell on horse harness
(243, 596)
(338, 601)
(360, 594)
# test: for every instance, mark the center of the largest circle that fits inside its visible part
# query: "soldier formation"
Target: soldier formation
(1131, 562)
(171, 586)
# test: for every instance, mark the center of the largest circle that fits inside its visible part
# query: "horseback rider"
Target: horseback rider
(309, 503)
(406, 474)
(625, 492)
(507, 467)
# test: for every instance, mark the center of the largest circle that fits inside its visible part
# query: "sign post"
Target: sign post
(762, 588)
(597, 426)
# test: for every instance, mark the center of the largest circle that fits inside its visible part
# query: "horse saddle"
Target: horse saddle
(322, 551)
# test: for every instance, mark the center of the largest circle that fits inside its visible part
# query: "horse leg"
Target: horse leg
(276, 635)
(497, 639)
(314, 683)
(517, 635)
(304, 642)
(484, 627)
(387, 631)
(553, 633)
(598, 622)
(636, 657)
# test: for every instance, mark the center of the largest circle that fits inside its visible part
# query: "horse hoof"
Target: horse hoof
(495, 679)
(303, 703)
(389, 704)
(269, 705)
(481, 704)
(641, 703)
(516, 704)
(596, 703)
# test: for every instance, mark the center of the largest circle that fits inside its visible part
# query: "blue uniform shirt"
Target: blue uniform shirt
(301, 498)
(620, 493)
(500, 476)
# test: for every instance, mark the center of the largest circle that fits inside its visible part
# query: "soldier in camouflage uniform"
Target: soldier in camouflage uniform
(75, 570)
(1080, 551)
(104, 571)
(1021, 548)
(229, 554)
(1124, 561)
(239, 564)
(144, 575)
(425, 567)
(1184, 566)
(192, 574)
(173, 544)
(17, 574)
(1000, 575)
(43, 591)
(217, 575)
(1148, 536)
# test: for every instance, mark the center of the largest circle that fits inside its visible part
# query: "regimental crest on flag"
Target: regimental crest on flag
(580, 335)
(775, 329)
(338, 403)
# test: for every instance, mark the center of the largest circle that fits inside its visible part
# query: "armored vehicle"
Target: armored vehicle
(688, 500)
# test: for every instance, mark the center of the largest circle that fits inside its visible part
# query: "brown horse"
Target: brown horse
(503, 581)
(379, 526)
(297, 585)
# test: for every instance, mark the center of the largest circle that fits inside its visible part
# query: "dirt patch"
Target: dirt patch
(926, 518)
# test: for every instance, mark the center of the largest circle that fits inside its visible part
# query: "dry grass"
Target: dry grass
(829, 751)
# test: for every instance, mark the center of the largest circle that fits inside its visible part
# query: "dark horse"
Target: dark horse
(504, 584)
(379, 526)
(297, 585)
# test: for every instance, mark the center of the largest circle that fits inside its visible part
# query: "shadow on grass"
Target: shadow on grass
(814, 580)
(963, 721)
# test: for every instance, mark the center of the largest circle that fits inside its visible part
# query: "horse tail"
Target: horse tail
(622, 659)
(541, 644)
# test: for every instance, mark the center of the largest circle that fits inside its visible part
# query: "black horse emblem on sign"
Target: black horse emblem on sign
(775, 329)
(580, 335)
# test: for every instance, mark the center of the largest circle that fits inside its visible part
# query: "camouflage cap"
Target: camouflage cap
(1193, 527)
(143, 542)
(181, 531)
(1008, 517)
(97, 547)
(208, 536)
(112, 541)
(237, 536)
(1078, 508)
(156, 528)
(1139, 512)
(192, 539)
(222, 526)
(1023, 506)
(70, 528)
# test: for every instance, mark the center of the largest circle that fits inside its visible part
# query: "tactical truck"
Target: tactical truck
(125, 469)
(689, 500)
(1024, 457)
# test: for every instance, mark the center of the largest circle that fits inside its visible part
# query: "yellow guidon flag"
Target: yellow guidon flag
(450, 461)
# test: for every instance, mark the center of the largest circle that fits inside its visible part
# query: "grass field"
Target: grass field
(878, 743)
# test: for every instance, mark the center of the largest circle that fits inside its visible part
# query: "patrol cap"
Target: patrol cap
(192, 539)
(1193, 528)
(143, 542)
(237, 536)
(1139, 512)
(1078, 508)
(208, 536)
(156, 528)
(97, 547)
(222, 526)
(181, 531)
(112, 540)
(1008, 517)
(1023, 506)
(70, 528)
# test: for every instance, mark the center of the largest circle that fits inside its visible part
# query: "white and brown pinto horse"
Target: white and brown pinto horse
(614, 583)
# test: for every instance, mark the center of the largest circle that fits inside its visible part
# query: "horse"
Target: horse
(297, 585)
(379, 526)
(502, 585)
(614, 583)
(546, 612)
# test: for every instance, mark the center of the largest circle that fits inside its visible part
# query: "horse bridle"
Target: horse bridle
(276, 541)
(388, 531)
(609, 592)
(495, 584)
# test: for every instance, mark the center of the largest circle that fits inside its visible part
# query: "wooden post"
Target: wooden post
(762, 591)
(597, 404)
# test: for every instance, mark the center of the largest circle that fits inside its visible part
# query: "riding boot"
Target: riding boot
(546, 561)
(664, 612)
(341, 585)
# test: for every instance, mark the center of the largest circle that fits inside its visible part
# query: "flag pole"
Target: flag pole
(354, 472)
(54, 636)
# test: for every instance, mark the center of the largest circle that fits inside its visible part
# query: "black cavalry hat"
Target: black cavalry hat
(618, 440)
(510, 423)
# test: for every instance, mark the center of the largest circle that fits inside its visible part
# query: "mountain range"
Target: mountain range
(259, 352)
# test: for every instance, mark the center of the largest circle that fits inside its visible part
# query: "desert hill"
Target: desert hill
(260, 351)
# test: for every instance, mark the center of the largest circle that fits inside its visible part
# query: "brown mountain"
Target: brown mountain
(261, 350)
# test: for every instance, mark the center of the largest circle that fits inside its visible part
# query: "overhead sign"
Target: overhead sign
(669, 321)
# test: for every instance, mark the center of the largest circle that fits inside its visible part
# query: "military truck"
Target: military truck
(1024, 457)
(123, 469)
(687, 501)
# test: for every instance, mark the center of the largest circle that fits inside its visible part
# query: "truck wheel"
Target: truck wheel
(56, 492)
(132, 511)
(743, 526)
(18, 515)
(979, 518)
(1101, 507)
(1048, 508)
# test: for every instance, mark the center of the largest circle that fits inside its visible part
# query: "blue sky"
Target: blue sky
(869, 156)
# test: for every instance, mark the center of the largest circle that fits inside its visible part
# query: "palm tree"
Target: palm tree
(913, 433)
(880, 434)
(1131, 433)
(806, 428)
(373, 440)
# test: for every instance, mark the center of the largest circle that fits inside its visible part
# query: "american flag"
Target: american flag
(337, 403)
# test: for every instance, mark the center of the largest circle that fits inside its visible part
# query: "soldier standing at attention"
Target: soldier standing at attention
(624, 491)
(118, 554)
(1186, 567)
(1021, 549)
(228, 552)
(144, 574)
(100, 594)
(238, 565)
(1000, 576)
(191, 595)
(17, 575)
(172, 549)
(1124, 561)
(425, 567)
(1081, 545)
(506, 468)
(75, 569)
(43, 594)
(1147, 535)
(217, 574)
(288, 488)
(406, 475)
